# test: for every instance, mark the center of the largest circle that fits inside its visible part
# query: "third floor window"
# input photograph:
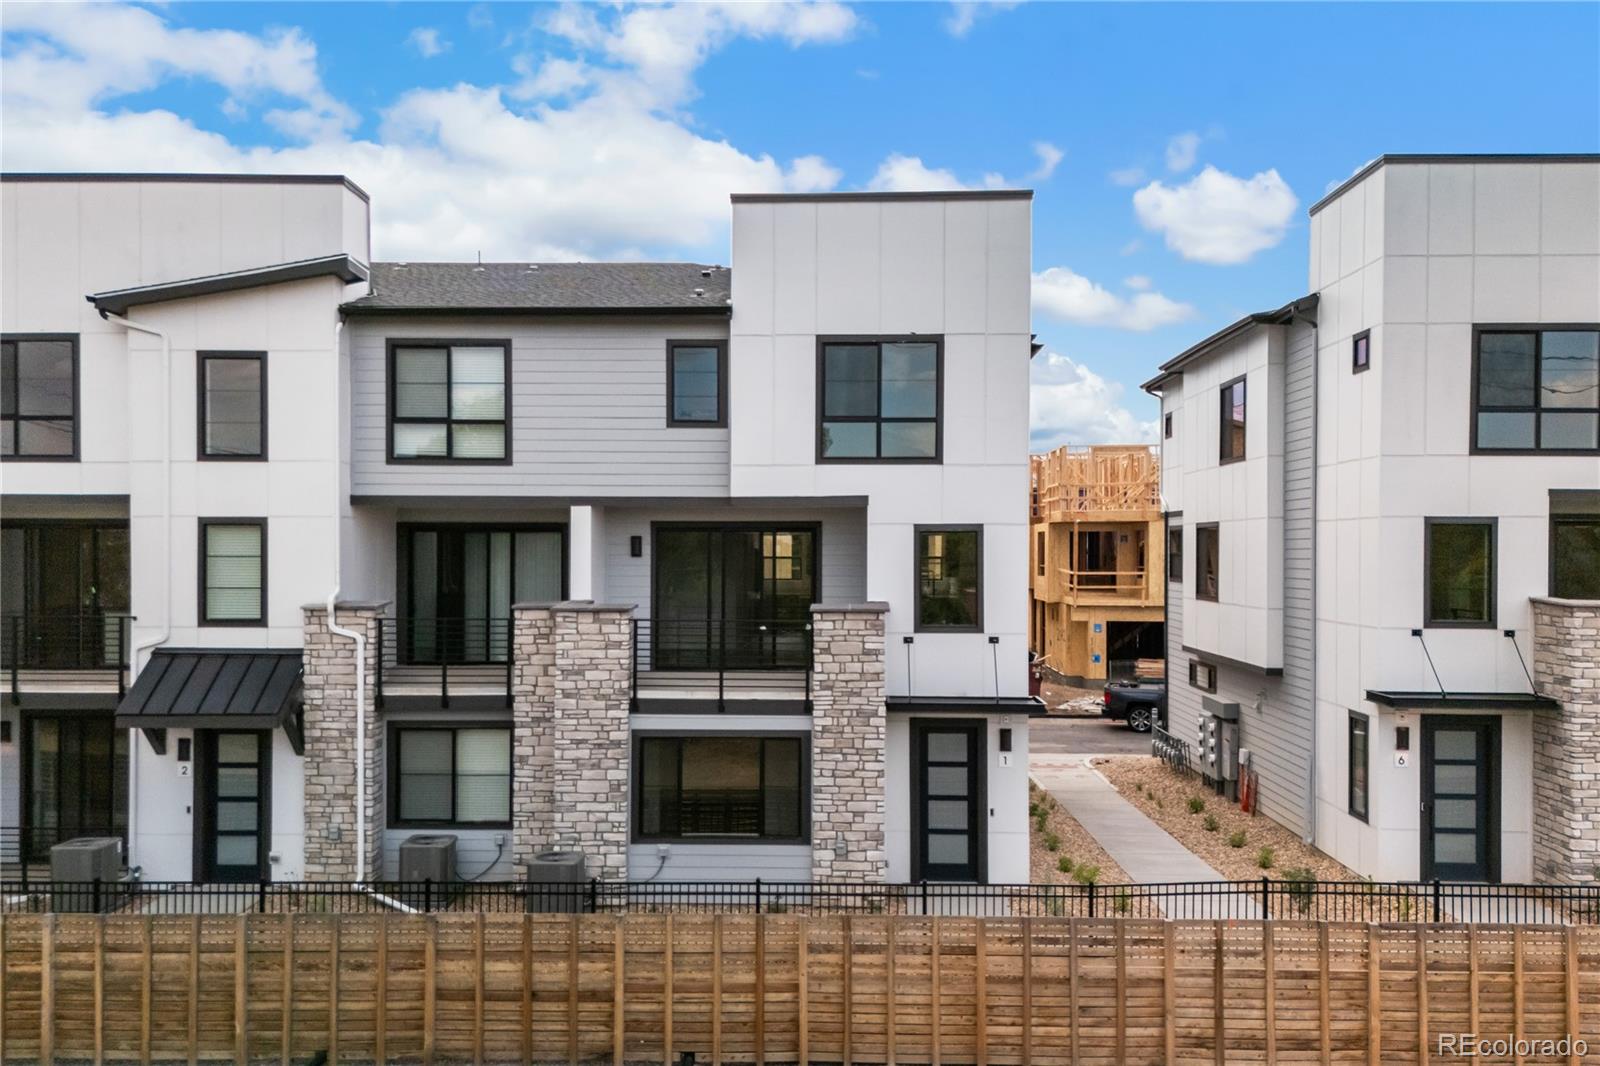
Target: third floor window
(1536, 390)
(447, 401)
(1232, 399)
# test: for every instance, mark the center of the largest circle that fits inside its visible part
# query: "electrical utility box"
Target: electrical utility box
(1219, 745)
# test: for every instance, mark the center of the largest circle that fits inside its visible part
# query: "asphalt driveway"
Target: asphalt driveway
(1084, 736)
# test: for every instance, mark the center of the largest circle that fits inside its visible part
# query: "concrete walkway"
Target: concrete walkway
(1147, 852)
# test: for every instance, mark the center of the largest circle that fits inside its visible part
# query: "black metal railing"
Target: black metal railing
(1359, 901)
(736, 657)
(1169, 749)
(64, 643)
(25, 851)
(428, 653)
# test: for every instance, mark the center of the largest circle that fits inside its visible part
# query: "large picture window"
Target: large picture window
(949, 578)
(1207, 562)
(447, 401)
(450, 776)
(39, 397)
(233, 571)
(1233, 421)
(233, 405)
(697, 388)
(879, 399)
(1536, 390)
(736, 787)
(1575, 556)
(1461, 572)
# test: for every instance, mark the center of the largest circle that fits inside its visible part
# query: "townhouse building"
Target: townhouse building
(1383, 508)
(706, 572)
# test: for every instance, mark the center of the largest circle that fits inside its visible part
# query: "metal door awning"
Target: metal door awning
(216, 688)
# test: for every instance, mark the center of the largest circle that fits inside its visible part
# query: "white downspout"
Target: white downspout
(338, 630)
(166, 551)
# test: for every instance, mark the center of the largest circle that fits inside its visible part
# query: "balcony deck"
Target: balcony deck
(66, 654)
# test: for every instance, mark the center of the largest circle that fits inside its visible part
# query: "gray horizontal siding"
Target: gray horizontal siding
(588, 411)
(721, 862)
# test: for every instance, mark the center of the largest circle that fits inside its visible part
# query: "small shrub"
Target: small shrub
(1033, 810)
(1211, 823)
(1405, 908)
(1087, 874)
(1159, 805)
(1264, 857)
(1300, 884)
(1052, 842)
(1196, 804)
(777, 908)
(1236, 839)
(1122, 903)
(1064, 864)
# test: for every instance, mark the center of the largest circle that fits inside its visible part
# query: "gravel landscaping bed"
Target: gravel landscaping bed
(1164, 795)
(1073, 843)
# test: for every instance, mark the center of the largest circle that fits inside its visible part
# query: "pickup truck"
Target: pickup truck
(1141, 703)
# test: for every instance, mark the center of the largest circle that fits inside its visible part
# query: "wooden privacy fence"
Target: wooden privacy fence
(781, 988)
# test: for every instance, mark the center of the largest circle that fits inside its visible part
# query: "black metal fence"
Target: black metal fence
(23, 851)
(1433, 901)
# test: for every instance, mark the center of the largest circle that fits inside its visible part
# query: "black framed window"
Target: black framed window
(448, 401)
(697, 386)
(880, 399)
(1166, 426)
(232, 389)
(1575, 556)
(1536, 390)
(1460, 566)
(456, 584)
(39, 396)
(1038, 551)
(1207, 562)
(1359, 756)
(949, 578)
(1175, 555)
(1232, 411)
(233, 571)
(712, 786)
(1202, 675)
(444, 775)
(1361, 351)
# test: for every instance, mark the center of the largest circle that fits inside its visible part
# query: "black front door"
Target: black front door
(1460, 798)
(235, 805)
(947, 803)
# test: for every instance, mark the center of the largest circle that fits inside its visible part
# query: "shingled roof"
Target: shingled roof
(546, 288)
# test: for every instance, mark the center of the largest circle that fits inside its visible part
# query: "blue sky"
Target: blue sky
(1174, 148)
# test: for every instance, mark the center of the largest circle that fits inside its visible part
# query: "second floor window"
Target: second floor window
(1232, 398)
(1207, 562)
(447, 402)
(879, 400)
(696, 386)
(1575, 556)
(1460, 570)
(233, 405)
(39, 397)
(1537, 390)
(233, 571)
(949, 579)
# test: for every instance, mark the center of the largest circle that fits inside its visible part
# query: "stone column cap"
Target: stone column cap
(870, 606)
(537, 605)
(349, 605)
(1557, 601)
(590, 605)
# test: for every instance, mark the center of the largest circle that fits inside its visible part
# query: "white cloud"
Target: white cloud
(612, 172)
(964, 14)
(1071, 404)
(1049, 158)
(1137, 281)
(1216, 217)
(1061, 293)
(1131, 247)
(902, 173)
(1182, 150)
(1127, 176)
(427, 42)
(479, 17)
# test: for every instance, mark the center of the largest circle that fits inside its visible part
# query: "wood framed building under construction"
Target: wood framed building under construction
(1096, 562)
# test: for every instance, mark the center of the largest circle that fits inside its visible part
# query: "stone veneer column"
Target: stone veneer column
(589, 771)
(329, 685)
(848, 739)
(1566, 741)
(533, 652)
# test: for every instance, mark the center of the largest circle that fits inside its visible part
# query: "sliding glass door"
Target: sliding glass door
(733, 597)
(63, 587)
(76, 779)
(459, 583)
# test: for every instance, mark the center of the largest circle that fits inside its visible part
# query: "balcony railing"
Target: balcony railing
(1126, 585)
(59, 648)
(465, 656)
(732, 659)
